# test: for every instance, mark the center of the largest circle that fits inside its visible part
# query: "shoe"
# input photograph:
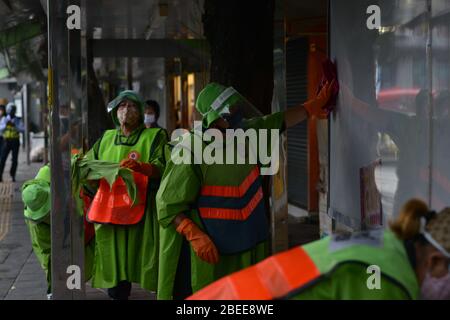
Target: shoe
(49, 296)
(13, 179)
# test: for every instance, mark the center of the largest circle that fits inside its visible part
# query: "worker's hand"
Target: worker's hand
(200, 241)
(130, 164)
(314, 107)
(145, 168)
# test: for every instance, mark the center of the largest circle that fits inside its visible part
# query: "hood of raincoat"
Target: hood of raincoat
(125, 95)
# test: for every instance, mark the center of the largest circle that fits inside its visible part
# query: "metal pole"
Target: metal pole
(66, 224)
(44, 113)
(429, 60)
(279, 206)
(25, 107)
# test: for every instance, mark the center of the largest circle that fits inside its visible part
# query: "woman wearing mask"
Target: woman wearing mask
(411, 260)
(151, 114)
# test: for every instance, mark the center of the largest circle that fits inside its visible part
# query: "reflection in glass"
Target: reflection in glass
(383, 105)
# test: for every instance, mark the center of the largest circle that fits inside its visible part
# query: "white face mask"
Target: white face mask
(149, 118)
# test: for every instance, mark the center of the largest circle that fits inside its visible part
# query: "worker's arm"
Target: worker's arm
(295, 115)
(176, 196)
(311, 108)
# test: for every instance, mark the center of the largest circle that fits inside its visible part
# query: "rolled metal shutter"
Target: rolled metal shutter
(296, 92)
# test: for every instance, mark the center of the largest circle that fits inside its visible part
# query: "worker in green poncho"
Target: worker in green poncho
(127, 234)
(37, 200)
(213, 216)
(409, 261)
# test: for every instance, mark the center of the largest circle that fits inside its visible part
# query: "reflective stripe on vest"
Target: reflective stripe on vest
(235, 216)
(272, 278)
(232, 203)
(290, 272)
(11, 132)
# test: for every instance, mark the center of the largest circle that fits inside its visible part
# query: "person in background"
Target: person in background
(2, 115)
(11, 127)
(151, 114)
(411, 260)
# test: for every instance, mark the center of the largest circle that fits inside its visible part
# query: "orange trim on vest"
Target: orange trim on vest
(114, 205)
(272, 278)
(232, 214)
(229, 191)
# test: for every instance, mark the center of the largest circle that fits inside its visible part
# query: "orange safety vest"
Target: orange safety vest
(114, 206)
(287, 274)
(272, 278)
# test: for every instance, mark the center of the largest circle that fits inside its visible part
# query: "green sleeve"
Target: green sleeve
(271, 121)
(92, 154)
(40, 241)
(349, 282)
(158, 154)
(178, 191)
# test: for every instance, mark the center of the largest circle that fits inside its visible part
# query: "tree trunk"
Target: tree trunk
(240, 34)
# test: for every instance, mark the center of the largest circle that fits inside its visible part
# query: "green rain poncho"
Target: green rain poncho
(178, 193)
(129, 253)
(40, 235)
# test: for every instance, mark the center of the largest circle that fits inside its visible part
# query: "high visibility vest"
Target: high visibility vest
(288, 273)
(11, 132)
(231, 206)
(113, 205)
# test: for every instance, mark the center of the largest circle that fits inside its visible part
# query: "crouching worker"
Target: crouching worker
(36, 197)
(212, 213)
(410, 261)
(127, 235)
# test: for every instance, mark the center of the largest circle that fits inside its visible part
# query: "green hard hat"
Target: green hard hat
(124, 95)
(36, 197)
(44, 173)
(214, 100)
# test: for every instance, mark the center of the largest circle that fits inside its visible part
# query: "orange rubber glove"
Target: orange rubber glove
(314, 107)
(144, 168)
(203, 246)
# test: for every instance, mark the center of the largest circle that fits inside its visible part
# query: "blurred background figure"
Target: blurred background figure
(2, 115)
(151, 114)
(10, 127)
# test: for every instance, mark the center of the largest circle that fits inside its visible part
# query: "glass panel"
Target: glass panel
(381, 109)
(440, 192)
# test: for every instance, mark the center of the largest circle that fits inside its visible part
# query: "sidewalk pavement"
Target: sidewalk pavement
(21, 277)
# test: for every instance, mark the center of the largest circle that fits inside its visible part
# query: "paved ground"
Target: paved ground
(21, 277)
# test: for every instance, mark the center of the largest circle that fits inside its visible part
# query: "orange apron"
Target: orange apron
(114, 206)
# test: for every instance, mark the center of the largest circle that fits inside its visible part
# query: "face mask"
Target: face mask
(435, 288)
(149, 118)
(235, 119)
